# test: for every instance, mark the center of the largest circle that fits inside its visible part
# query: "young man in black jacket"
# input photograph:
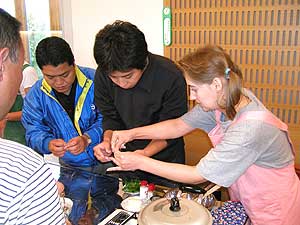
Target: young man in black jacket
(134, 88)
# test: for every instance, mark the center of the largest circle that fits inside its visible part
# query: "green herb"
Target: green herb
(131, 186)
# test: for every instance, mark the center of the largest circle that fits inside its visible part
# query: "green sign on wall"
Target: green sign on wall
(167, 26)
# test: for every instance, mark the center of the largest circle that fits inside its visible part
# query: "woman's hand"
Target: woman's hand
(120, 138)
(126, 161)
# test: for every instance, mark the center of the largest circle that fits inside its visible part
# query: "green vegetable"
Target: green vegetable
(131, 186)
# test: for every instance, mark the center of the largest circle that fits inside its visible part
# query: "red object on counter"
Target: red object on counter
(143, 183)
(151, 187)
(143, 190)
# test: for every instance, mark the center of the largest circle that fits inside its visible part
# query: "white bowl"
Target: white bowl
(132, 204)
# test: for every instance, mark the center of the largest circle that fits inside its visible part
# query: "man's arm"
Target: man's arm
(38, 134)
(94, 131)
(39, 200)
(13, 116)
(153, 147)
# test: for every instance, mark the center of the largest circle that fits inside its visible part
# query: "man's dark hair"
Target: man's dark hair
(53, 51)
(120, 46)
(10, 34)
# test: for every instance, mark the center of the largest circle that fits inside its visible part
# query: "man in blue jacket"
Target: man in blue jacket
(60, 117)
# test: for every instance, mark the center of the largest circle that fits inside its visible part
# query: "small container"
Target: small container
(151, 188)
(143, 190)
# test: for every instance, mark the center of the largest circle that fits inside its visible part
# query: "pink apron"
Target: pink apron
(269, 196)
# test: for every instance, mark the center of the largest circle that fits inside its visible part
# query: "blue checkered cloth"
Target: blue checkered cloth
(230, 212)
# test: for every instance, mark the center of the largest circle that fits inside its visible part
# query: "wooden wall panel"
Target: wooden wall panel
(54, 6)
(22, 16)
(262, 37)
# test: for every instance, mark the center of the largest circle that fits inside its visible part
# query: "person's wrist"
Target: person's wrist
(141, 152)
(141, 164)
(107, 136)
(106, 140)
(133, 134)
(87, 139)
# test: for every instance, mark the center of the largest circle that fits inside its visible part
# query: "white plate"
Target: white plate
(132, 204)
(132, 193)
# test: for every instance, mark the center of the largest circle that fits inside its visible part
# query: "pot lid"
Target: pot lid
(158, 212)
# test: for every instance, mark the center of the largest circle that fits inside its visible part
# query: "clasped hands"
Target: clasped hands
(75, 146)
(112, 151)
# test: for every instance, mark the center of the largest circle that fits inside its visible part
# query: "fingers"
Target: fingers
(56, 146)
(116, 168)
(71, 144)
(59, 152)
(76, 151)
(119, 164)
(103, 151)
(100, 156)
(104, 147)
(75, 145)
(114, 160)
(123, 161)
(116, 143)
(59, 147)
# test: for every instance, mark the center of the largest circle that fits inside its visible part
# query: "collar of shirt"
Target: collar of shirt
(68, 101)
(146, 80)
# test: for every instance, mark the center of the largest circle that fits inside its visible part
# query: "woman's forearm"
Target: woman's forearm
(168, 129)
(173, 171)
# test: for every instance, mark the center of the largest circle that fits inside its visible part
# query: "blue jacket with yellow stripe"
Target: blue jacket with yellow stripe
(45, 119)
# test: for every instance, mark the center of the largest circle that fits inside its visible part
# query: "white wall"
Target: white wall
(82, 19)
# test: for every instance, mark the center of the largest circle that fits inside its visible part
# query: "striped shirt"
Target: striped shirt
(28, 193)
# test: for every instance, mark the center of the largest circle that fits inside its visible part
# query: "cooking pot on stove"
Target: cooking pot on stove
(174, 211)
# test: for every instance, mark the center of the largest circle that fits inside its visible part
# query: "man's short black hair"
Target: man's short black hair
(120, 46)
(53, 51)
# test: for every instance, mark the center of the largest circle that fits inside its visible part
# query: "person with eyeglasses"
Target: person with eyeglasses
(252, 153)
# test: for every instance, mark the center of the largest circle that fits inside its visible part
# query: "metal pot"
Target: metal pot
(166, 212)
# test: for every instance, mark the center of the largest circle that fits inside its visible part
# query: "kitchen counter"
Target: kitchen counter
(229, 211)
